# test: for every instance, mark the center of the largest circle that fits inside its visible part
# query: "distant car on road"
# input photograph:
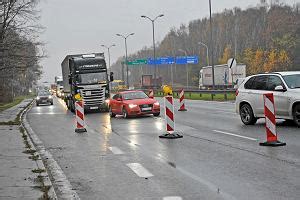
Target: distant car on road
(285, 87)
(133, 103)
(44, 97)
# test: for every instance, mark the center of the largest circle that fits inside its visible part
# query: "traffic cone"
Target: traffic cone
(80, 125)
(270, 122)
(182, 101)
(170, 120)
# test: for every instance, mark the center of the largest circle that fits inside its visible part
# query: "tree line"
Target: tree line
(19, 48)
(266, 38)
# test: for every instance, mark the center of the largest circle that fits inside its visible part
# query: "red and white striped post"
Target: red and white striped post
(80, 125)
(170, 119)
(151, 94)
(270, 122)
(182, 101)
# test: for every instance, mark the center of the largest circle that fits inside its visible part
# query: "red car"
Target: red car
(133, 103)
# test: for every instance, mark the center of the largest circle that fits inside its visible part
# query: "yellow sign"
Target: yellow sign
(78, 97)
(167, 90)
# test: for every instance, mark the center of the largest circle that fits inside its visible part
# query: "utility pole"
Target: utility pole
(153, 38)
(211, 46)
(187, 71)
(126, 58)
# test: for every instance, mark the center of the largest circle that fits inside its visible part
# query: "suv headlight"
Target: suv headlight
(132, 105)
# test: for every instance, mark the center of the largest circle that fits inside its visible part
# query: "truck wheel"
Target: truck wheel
(72, 107)
(296, 115)
(246, 114)
(111, 113)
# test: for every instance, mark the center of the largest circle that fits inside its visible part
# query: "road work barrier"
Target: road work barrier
(270, 122)
(182, 101)
(170, 119)
(80, 125)
(151, 94)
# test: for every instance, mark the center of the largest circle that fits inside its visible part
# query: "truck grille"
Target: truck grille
(93, 97)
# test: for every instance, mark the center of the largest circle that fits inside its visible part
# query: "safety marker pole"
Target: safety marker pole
(170, 119)
(151, 94)
(270, 122)
(182, 101)
(80, 125)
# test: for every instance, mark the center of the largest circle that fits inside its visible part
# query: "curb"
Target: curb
(57, 176)
(39, 162)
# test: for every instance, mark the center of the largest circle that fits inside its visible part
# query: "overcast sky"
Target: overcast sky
(81, 26)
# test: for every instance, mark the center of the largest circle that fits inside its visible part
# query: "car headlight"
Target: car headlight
(38, 98)
(156, 104)
(132, 105)
(50, 97)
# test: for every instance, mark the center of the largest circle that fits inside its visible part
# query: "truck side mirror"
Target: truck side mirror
(111, 77)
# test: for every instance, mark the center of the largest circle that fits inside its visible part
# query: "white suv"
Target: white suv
(286, 89)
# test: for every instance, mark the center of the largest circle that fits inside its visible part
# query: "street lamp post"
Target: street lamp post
(153, 38)
(207, 59)
(211, 47)
(108, 51)
(187, 71)
(125, 39)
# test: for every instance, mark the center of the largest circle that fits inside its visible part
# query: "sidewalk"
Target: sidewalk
(17, 181)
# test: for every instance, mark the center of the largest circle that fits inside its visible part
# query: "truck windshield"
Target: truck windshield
(293, 81)
(91, 78)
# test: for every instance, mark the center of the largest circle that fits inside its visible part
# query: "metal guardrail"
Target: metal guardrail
(212, 93)
(189, 92)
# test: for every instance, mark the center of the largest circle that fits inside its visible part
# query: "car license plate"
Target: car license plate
(93, 108)
(88, 93)
(146, 109)
(44, 101)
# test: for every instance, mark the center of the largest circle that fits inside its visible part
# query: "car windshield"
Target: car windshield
(293, 81)
(44, 93)
(134, 95)
(91, 78)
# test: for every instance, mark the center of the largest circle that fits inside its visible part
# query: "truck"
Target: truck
(225, 77)
(58, 80)
(87, 75)
(147, 81)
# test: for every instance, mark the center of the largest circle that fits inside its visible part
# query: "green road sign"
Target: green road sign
(137, 62)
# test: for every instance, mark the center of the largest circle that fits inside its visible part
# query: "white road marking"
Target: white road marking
(240, 136)
(139, 170)
(172, 198)
(116, 150)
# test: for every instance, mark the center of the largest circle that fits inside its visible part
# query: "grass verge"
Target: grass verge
(17, 100)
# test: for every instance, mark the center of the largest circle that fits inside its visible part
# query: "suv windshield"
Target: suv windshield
(91, 78)
(293, 81)
(134, 95)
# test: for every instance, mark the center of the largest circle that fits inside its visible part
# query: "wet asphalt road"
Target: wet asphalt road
(218, 157)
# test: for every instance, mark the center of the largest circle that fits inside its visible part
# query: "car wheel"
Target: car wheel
(125, 113)
(296, 115)
(111, 114)
(247, 115)
(51, 103)
(37, 104)
(156, 114)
